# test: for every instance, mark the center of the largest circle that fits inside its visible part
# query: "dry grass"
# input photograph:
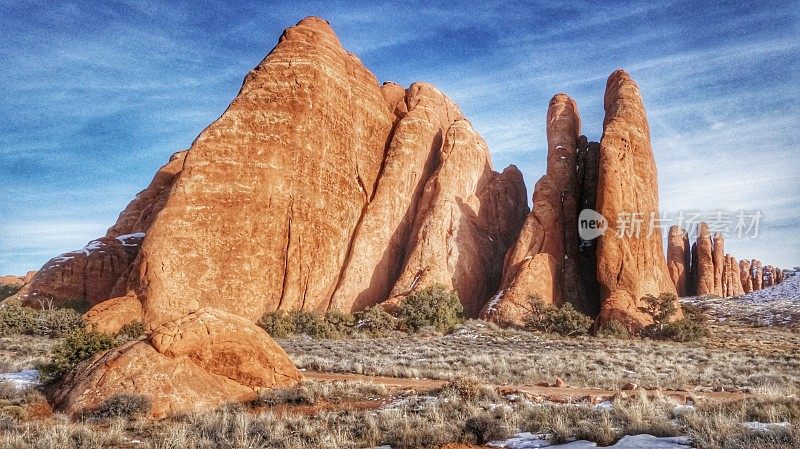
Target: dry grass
(19, 352)
(461, 412)
(729, 358)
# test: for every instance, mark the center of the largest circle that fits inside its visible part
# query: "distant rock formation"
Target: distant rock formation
(757, 274)
(718, 254)
(704, 269)
(628, 267)
(744, 276)
(16, 281)
(679, 259)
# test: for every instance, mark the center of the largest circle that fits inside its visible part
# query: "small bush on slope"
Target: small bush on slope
(564, 320)
(77, 347)
(433, 306)
(7, 290)
(122, 406)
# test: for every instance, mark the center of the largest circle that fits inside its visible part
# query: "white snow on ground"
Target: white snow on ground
(765, 426)
(532, 441)
(23, 379)
(778, 305)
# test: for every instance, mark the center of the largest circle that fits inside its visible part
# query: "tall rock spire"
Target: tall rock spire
(631, 265)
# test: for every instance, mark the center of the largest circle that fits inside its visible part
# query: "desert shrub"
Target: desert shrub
(661, 309)
(564, 320)
(691, 328)
(433, 306)
(279, 324)
(8, 290)
(77, 347)
(131, 331)
(375, 321)
(16, 319)
(55, 323)
(614, 329)
(282, 324)
(684, 330)
(122, 406)
(483, 428)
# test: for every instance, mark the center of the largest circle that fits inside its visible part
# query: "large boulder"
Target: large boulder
(678, 259)
(630, 265)
(203, 360)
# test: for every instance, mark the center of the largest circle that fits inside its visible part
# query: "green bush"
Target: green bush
(684, 330)
(56, 323)
(691, 328)
(131, 331)
(278, 324)
(433, 306)
(564, 320)
(282, 324)
(661, 309)
(8, 290)
(77, 347)
(375, 321)
(16, 319)
(614, 329)
(122, 406)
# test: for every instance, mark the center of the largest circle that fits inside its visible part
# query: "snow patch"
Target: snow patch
(494, 301)
(26, 378)
(534, 441)
(124, 238)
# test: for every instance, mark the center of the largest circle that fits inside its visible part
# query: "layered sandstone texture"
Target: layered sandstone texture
(630, 265)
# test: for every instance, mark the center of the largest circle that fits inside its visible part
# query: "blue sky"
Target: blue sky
(97, 95)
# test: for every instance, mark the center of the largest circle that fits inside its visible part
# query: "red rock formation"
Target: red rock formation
(732, 285)
(705, 262)
(462, 227)
(745, 277)
(629, 267)
(718, 256)
(756, 273)
(778, 275)
(768, 276)
(317, 189)
(678, 259)
(379, 246)
(544, 260)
